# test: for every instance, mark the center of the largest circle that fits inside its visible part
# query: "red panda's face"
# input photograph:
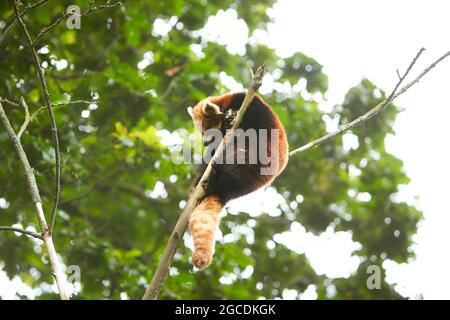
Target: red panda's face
(206, 115)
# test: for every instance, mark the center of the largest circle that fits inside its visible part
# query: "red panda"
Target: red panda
(230, 181)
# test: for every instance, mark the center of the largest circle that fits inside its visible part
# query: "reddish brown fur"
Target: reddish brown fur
(203, 224)
(231, 180)
(224, 102)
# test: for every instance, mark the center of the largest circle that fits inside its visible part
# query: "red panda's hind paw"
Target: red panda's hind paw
(201, 259)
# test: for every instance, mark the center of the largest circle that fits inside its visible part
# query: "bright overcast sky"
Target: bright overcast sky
(355, 39)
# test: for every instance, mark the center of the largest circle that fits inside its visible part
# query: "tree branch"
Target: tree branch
(55, 23)
(27, 117)
(34, 192)
(9, 102)
(375, 110)
(177, 234)
(14, 22)
(94, 185)
(57, 76)
(140, 193)
(60, 104)
(30, 233)
(50, 114)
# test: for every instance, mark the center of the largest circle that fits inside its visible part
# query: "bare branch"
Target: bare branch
(140, 193)
(180, 228)
(60, 104)
(58, 76)
(9, 102)
(34, 192)
(94, 185)
(50, 114)
(375, 110)
(14, 22)
(30, 233)
(55, 23)
(27, 117)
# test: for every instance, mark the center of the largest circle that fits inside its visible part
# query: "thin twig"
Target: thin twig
(177, 234)
(50, 114)
(141, 193)
(9, 102)
(27, 117)
(30, 233)
(170, 87)
(379, 107)
(98, 182)
(35, 196)
(71, 76)
(14, 22)
(55, 23)
(60, 104)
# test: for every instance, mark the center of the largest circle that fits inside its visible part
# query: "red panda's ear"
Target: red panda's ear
(210, 109)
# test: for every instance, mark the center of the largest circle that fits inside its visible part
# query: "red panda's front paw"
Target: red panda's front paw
(229, 118)
(205, 184)
(201, 259)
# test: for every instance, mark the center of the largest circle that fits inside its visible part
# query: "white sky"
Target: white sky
(355, 39)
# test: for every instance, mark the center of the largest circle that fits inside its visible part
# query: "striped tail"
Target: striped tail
(203, 223)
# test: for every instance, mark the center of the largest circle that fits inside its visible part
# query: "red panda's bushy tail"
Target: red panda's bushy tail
(203, 223)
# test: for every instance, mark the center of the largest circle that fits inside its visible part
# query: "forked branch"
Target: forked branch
(19, 230)
(48, 103)
(375, 110)
(34, 192)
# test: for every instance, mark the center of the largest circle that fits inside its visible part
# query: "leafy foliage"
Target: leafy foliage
(113, 226)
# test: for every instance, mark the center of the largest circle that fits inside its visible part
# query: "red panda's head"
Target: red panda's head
(206, 115)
